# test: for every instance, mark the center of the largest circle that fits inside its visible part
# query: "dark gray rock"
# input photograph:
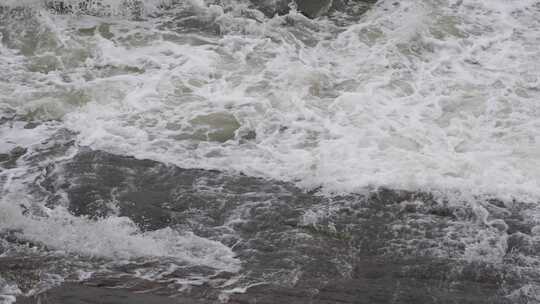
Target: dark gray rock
(153, 194)
(10, 160)
(375, 284)
(18, 152)
(4, 157)
(31, 125)
(313, 8)
(82, 294)
(270, 8)
(351, 254)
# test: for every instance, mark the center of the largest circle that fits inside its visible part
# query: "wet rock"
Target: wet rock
(31, 125)
(81, 294)
(10, 160)
(313, 8)
(4, 157)
(271, 8)
(377, 282)
(310, 8)
(91, 178)
(219, 127)
(308, 248)
(250, 135)
(18, 152)
(154, 195)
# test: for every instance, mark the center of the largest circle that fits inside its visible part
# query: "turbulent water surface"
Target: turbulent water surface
(261, 151)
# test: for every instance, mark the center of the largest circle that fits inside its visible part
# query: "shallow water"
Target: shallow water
(237, 150)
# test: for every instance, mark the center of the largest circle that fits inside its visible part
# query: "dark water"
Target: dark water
(377, 248)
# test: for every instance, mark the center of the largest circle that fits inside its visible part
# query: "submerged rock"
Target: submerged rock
(313, 8)
(271, 8)
(218, 126)
(10, 160)
(378, 248)
(81, 294)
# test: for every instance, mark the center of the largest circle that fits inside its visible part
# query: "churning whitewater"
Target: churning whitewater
(207, 149)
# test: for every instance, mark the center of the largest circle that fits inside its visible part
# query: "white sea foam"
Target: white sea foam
(15, 134)
(8, 292)
(113, 237)
(423, 95)
(416, 96)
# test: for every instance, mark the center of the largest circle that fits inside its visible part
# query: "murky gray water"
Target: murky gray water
(241, 151)
(291, 245)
